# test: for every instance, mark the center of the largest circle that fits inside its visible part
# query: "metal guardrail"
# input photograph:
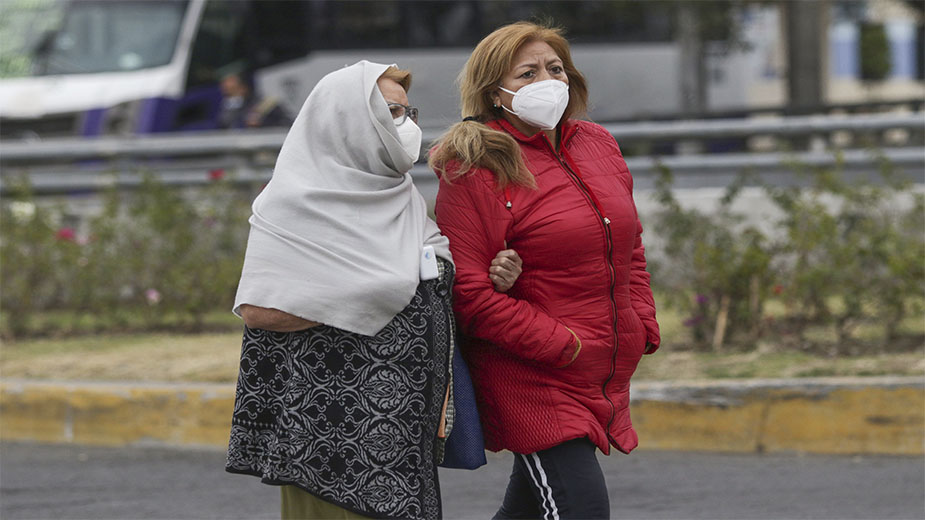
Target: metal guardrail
(251, 141)
(910, 104)
(69, 165)
(780, 126)
(690, 171)
(142, 147)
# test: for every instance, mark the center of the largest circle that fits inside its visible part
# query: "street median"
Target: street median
(876, 415)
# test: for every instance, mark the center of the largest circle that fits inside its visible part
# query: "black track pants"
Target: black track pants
(564, 482)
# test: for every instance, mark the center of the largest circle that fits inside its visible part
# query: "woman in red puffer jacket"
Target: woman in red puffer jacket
(551, 358)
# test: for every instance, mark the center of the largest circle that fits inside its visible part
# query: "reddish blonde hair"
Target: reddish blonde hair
(472, 144)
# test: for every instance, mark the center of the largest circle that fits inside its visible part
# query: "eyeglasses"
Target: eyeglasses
(400, 112)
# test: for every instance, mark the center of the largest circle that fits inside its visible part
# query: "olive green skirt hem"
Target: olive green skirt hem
(298, 504)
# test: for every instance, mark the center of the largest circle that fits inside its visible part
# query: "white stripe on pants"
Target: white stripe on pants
(535, 468)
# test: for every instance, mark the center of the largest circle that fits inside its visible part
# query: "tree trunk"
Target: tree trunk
(693, 69)
(807, 37)
(722, 321)
(693, 61)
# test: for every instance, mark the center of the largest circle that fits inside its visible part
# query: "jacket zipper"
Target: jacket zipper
(586, 191)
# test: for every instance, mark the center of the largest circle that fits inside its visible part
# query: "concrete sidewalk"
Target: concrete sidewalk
(878, 415)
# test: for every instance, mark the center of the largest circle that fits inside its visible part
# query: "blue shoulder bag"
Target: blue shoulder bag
(465, 447)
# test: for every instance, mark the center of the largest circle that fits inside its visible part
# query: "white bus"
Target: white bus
(126, 67)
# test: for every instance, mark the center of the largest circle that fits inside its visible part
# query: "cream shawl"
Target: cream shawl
(336, 235)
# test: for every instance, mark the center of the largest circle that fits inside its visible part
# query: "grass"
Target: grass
(136, 357)
(214, 358)
(173, 356)
(66, 324)
(691, 365)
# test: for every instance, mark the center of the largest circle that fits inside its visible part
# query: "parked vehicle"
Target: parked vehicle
(126, 67)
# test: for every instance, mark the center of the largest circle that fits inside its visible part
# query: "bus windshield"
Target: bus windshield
(112, 36)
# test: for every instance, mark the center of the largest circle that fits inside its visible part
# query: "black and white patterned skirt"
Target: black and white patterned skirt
(351, 419)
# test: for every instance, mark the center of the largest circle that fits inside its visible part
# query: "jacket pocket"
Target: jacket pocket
(592, 364)
(632, 339)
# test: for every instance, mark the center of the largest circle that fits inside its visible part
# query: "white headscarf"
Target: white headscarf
(336, 235)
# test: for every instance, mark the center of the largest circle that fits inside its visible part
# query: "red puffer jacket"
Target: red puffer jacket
(584, 270)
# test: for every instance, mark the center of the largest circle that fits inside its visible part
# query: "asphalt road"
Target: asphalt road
(74, 482)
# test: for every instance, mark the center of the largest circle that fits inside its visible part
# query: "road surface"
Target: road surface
(74, 482)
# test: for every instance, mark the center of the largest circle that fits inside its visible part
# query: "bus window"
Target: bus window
(219, 41)
(257, 34)
(356, 24)
(441, 24)
(361, 24)
(610, 21)
(278, 31)
(23, 30)
(588, 21)
(99, 36)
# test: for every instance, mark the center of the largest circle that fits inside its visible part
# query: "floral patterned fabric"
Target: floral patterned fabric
(351, 419)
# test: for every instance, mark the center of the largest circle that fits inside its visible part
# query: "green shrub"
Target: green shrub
(840, 272)
(34, 256)
(719, 268)
(845, 258)
(851, 255)
(152, 257)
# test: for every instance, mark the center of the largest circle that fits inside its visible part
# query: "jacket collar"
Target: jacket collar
(567, 131)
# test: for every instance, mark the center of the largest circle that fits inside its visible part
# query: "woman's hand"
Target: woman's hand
(504, 269)
(273, 319)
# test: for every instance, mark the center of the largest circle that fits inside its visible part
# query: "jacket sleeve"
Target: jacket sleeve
(641, 292)
(476, 221)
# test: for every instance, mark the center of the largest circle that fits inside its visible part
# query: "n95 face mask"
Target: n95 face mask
(540, 104)
(409, 134)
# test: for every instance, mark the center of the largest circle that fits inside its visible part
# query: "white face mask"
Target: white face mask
(410, 136)
(540, 104)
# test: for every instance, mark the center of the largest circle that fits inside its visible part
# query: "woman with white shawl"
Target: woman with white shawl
(348, 337)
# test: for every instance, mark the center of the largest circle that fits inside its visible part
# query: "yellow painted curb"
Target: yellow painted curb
(863, 415)
(828, 415)
(115, 414)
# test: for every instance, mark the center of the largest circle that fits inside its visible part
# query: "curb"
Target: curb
(882, 415)
(115, 414)
(877, 415)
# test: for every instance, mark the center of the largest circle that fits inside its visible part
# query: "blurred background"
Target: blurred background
(112, 67)
(776, 146)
